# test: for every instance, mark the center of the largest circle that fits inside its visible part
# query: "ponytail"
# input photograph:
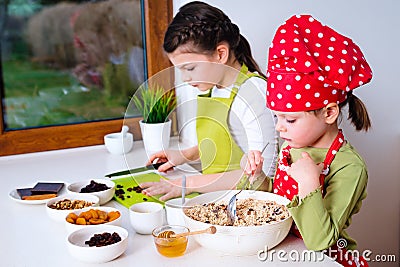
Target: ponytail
(244, 56)
(358, 114)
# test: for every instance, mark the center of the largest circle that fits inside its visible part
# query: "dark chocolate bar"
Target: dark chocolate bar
(46, 188)
(23, 192)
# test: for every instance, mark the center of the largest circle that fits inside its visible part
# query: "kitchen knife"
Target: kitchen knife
(150, 167)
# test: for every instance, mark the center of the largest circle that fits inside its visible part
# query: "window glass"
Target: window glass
(69, 62)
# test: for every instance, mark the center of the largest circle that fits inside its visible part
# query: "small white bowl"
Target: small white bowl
(79, 250)
(60, 215)
(71, 227)
(117, 144)
(146, 216)
(104, 196)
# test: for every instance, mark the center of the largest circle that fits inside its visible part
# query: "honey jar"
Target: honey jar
(170, 246)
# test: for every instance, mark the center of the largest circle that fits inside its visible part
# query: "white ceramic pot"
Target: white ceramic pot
(155, 136)
(239, 240)
(117, 144)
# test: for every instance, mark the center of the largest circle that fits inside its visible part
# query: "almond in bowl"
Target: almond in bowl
(90, 217)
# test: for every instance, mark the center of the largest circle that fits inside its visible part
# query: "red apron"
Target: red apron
(286, 186)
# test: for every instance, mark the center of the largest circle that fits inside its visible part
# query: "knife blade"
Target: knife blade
(150, 167)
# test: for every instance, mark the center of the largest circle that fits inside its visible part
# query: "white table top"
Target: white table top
(30, 238)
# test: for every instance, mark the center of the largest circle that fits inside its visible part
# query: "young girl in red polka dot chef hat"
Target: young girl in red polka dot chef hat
(312, 71)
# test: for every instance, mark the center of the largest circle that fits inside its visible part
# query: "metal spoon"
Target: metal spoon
(231, 209)
(183, 189)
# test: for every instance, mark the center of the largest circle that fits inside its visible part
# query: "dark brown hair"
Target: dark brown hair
(204, 27)
(358, 114)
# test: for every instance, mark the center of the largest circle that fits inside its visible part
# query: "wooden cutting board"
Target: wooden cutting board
(129, 185)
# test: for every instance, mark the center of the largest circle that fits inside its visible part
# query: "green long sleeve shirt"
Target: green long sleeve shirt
(323, 220)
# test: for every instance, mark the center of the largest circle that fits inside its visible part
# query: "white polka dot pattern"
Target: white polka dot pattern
(311, 65)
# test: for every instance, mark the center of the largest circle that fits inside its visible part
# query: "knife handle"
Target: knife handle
(156, 165)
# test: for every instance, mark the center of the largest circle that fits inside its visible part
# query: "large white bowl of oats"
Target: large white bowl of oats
(262, 221)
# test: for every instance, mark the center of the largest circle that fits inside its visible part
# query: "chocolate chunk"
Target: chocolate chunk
(23, 192)
(46, 188)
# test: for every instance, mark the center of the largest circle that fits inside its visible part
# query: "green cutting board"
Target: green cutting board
(132, 197)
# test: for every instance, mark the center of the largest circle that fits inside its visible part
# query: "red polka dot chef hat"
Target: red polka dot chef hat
(311, 65)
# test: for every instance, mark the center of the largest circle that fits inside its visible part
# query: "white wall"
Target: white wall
(374, 25)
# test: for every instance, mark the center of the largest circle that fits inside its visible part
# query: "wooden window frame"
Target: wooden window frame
(157, 15)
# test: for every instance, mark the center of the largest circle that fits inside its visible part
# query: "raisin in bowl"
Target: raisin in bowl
(99, 244)
(102, 188)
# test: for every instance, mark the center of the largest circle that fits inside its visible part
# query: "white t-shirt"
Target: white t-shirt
(250, 122)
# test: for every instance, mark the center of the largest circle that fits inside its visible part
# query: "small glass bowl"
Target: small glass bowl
(171, 247)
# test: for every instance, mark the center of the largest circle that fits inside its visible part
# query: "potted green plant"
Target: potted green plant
(155, 104)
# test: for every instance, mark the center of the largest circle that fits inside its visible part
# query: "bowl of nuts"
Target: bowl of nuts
(58, 208)
(102, 188)
(98, 244)
(92, 216)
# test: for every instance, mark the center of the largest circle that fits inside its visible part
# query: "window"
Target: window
(80, 130)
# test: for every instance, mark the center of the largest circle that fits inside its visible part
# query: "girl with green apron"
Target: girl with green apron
(218, 150)
(212, 55)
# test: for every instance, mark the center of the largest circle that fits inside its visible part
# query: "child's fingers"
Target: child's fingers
(147, 184)
(257, 157)
(159, 156)
(321, 166)
(251, 162)
(155, 190)
(245, 164)
(247, 170)
(166, 167)
(167, 196)
(257, 171)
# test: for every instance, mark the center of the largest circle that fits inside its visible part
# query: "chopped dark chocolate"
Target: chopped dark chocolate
(46, 188)
(23, 192)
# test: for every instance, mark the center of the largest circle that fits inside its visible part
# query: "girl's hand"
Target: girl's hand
(170, 158)
(306, 173)
(251, 163)
(167, 188)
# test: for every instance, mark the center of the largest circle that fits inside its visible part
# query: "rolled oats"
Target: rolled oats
(250, 212)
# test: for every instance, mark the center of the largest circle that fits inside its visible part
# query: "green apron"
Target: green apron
(218, 151)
